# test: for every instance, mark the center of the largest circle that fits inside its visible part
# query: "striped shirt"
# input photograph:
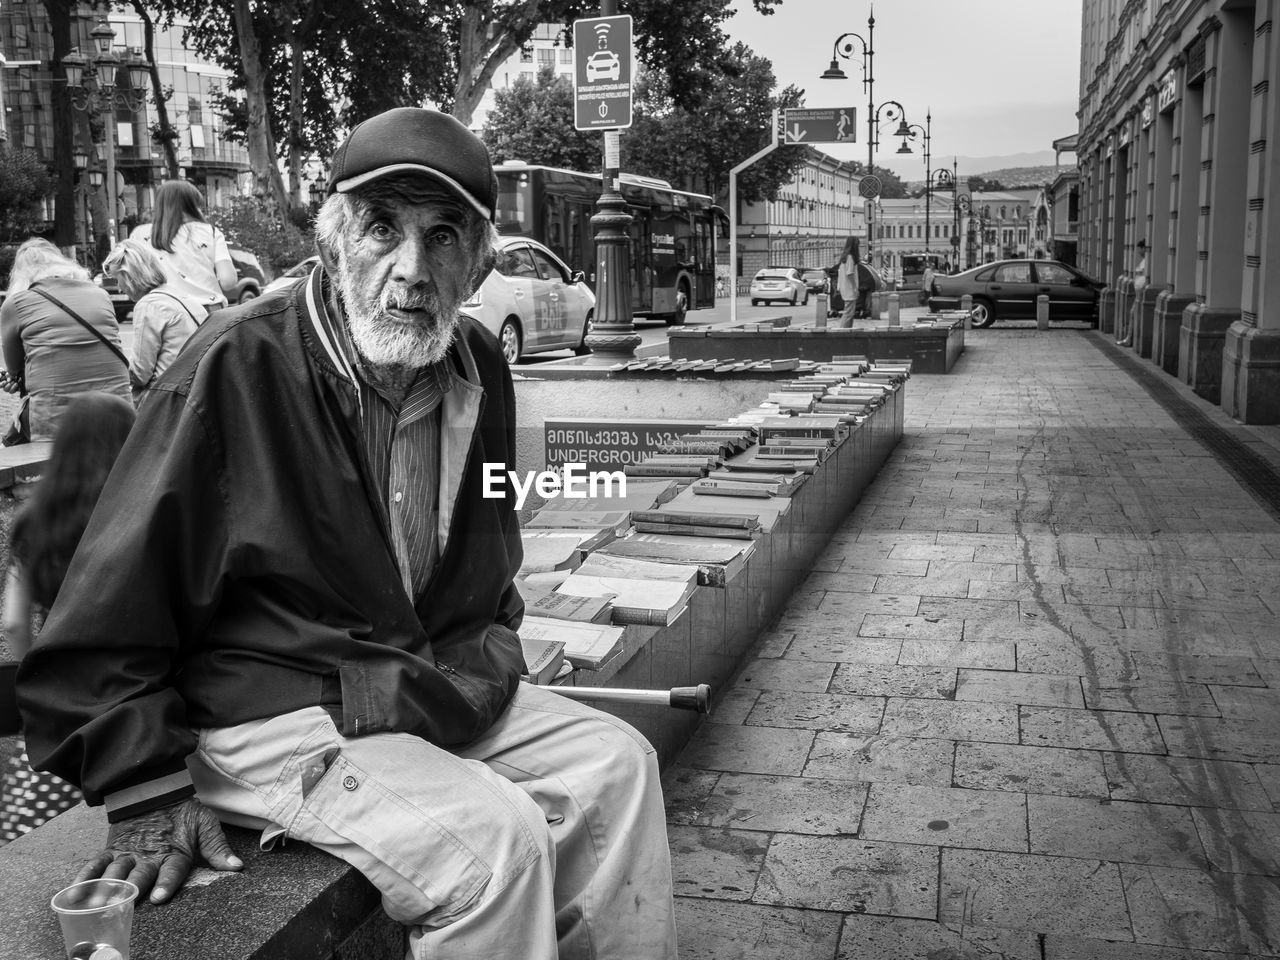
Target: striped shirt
(402, 445)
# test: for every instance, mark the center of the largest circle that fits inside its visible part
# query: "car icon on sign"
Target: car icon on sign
(603, 65)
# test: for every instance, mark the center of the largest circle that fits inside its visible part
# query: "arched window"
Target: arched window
(1004, 212)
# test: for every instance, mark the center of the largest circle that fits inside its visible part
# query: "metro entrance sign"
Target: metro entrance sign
(828, 125)
(602, 72)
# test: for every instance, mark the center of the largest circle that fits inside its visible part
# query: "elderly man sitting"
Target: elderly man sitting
(294, 609)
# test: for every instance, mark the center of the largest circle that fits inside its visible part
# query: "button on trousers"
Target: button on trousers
(543, 840)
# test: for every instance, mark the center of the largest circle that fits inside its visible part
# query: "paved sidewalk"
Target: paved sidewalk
(1025, 706)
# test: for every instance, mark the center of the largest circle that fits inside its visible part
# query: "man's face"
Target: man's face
(404, 269)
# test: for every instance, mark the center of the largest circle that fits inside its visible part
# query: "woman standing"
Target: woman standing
(45, 535)
(163, 319)
(59, 335)
(847, 281)
(192, 252)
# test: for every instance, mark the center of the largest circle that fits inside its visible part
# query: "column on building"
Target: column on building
(1144, 195)
(1251, 352)
(1124, 236)
(1162, 263)
(1106, 245)
(1224, 160)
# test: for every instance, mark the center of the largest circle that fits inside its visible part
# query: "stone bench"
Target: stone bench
(297, 902)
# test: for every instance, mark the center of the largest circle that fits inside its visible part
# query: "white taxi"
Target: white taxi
(532, 301)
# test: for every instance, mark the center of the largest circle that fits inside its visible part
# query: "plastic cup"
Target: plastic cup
(96, 917)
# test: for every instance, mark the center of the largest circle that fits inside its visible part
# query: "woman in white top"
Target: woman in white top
(163, 319)
(192, 252)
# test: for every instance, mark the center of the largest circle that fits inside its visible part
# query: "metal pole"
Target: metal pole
(733, 214)
(869, 79)
(613, 335)
(109, 135)
(928, 179)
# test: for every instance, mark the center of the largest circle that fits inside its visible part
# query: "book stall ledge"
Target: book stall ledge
(670, 585)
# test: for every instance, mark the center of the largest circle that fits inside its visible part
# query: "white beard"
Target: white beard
(387, 342)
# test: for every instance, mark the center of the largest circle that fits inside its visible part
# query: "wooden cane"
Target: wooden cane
(697, 699)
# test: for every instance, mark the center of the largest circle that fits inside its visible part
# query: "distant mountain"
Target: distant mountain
(1039, 161)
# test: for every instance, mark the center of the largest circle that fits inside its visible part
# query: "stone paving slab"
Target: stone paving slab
(1022, 769)
(895, 938)
(1114, 831)
(717, 930)
(1036, 893)
(1025, 705)
(1206, 911)
(850, 875)
(946, 817)
(1186, 781)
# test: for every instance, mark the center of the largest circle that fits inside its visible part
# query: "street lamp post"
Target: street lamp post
(91, 81)
(939, 180)
(926, 133)
(844, 49)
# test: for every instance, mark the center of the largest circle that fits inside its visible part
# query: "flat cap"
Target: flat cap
(417, 140)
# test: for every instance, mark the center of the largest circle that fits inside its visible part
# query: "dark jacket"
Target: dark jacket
(239, 565)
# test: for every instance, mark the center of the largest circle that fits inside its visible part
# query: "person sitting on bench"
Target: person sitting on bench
(294, 607)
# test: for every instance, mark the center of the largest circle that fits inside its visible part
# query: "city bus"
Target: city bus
(673, 233)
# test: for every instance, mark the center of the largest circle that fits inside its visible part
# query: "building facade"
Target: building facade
(546, 49)
(1177, 102)
(205, 155)
(808, 223)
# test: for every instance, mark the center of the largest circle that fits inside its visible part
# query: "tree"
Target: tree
(697, 147)
(163, 131)
(533, 121)
(683, 41)
(24, 183)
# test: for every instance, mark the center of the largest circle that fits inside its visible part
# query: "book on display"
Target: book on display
(542, 658)
(586, 645)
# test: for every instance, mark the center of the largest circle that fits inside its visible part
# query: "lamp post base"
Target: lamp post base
(612, 334)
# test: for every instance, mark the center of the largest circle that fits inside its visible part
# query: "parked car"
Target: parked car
(1007, 290)
(300, 269)
(781, 285)
(532, 301)
(249, 283)
(815, 278)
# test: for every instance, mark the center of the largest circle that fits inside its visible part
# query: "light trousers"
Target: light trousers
(543, 840)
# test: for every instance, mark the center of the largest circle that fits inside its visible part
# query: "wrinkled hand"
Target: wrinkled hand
(8, 384)
(159, 848)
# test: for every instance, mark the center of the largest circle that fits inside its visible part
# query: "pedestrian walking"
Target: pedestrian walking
(59, 336)
(375, 599)
(163, 317)
(192, 252)
(44, 537)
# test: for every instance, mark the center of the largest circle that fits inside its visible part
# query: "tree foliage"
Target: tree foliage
(279, 244)
(24, 183)
(533, 121)
(697, 147)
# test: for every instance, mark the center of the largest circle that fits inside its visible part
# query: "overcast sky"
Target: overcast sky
(1001, 76)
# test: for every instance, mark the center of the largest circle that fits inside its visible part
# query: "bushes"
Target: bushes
(24, 183)
(278, 245)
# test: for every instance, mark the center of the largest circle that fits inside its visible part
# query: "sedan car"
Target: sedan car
(1007, 290)
(300, 269)
(778, 285)
(603, 65)
(815, 278)
(532, 301)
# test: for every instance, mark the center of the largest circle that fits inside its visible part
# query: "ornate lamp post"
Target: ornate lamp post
(91, 81)
(844, 49)
(926, 134)
(940, 180)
